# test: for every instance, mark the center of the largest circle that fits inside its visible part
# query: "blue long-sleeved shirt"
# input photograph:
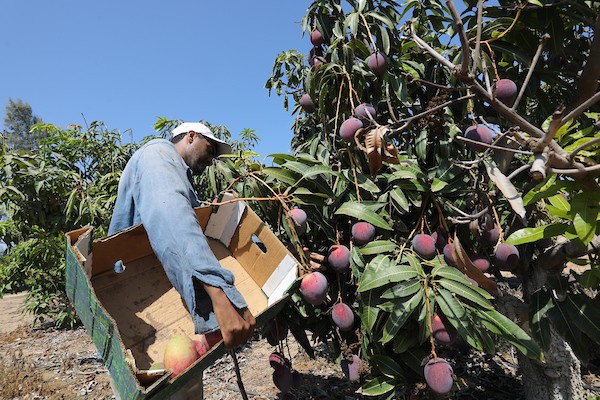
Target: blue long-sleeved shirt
(156, 190)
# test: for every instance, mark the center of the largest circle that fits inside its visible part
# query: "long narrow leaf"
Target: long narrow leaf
(466, 292)
(378, 247)
(512, 333)
(528, 235)
(454, 311)
(400, 314)
(363, 213)
(377, 386)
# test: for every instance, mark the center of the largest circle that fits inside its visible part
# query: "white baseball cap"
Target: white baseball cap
(221, 146)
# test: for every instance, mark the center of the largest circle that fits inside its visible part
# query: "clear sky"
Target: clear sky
(128, 62)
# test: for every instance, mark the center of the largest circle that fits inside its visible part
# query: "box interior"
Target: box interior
(143, 303)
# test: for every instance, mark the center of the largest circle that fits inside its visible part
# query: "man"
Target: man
(156, 190)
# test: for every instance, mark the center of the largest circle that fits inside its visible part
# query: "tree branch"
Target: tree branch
(407, 121)
(478, 37)
(511, 115)
(536, 57)
(581, 108)
(583, 146)
(421, 43)
(464, 41)
(559, 254)
(555, 124)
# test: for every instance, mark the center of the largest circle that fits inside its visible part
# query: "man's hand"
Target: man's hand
(316, 260)
(237, 326)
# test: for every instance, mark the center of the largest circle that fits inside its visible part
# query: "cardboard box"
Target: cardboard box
(131, 315)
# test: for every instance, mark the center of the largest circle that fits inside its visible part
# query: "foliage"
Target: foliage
(68, 182)
(410, 170)
(18, 120)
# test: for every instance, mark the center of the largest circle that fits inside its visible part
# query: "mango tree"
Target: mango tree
(442, 152)
(69, 181)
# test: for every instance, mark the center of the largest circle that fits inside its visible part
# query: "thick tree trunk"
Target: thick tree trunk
(558, 377)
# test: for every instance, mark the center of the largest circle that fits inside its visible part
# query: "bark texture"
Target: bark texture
(558, 377)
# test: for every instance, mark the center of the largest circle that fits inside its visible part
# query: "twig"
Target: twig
(409, 120)
(421, 43)
(491, 146)
(511, 115)
(464, 41)
(583, 146)
(553, 127)
(465, 215)
(368, 31)
(437, 85)
(389, 103)
(536, 57)
(518, 171)
(486, 76)
(575, 171)
(581, 108)
(478, 37)
(429, 319)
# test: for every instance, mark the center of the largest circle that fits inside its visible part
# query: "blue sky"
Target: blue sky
(128, 62)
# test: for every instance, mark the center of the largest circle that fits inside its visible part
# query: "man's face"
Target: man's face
(200, 153)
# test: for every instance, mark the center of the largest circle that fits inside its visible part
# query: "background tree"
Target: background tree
(68, 182)
(423, 122)
(18, 121)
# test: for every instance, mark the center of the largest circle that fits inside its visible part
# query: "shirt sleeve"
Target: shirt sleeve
(164, 201)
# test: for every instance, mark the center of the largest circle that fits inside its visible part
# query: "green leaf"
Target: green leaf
(512, 333)
(536, 2)
(399, 199)
(362, 180)
(363, 213)
(351, 22)
(539, 322)
(466, 291)
(381, 17)
(318, 170)
(454, 274)
(438, 185)
(378, 247)
(454, 311)
(408, 171)
(528, 235)
(561, 319)
(377, 386)
(368, 309)
(296, 166)
(388, 366)
(403, 289)
(414, 265)
(421, 145)
(544, 190)
(404, 342)
(586, 315)
(402, 310)
(589, 279)
(381, 271)
(280, 174)
(585, 207)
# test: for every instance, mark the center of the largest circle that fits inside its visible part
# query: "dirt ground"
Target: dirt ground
(38, 363)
